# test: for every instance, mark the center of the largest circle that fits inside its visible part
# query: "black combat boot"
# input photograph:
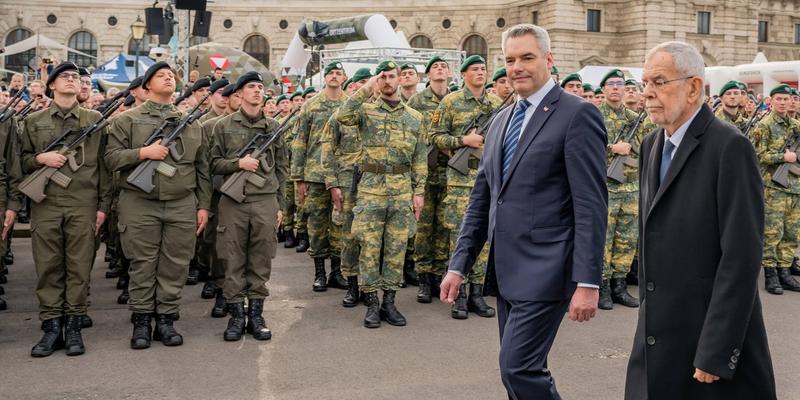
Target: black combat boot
(52, 340)
(256, 325)
(477, 304)
(410, 274)
(794, 269)
(114, 270)
(73, 342)
(236, 323)
(373, 317)
(2, 291)
(632, 278)
(435, 281)
(281, 234)
(620, 295)
(389, 312)
(771, 282)
(193, 276)
(208, 290)
(319, 275)
(3, 305)
(335, 279)
(86, 321)
(787, 280)
(459, 310)
(122, 281)
(8, 258)
(220, 309)
(291, 241)
(302, 242)
(424, 290)
(142, 330)
(165, 332)
(605, 302)
(123, 297)
(351, 297)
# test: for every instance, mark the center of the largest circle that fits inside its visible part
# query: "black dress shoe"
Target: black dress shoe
(208, 290)
(142, 330)
(52, 340)
(165, 331)
(389, 312)
(236, 323)
(73, 341)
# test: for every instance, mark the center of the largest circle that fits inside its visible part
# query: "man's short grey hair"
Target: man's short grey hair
(686, 59)
(541, 35)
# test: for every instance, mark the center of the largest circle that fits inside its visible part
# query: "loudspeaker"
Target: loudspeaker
(166, 35)
(202, 22)
(154, 19)
(199, 5)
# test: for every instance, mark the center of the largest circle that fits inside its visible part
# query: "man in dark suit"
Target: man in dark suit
(700, 333)
(540, 202)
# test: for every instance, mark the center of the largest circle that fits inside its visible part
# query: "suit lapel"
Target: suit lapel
(653, 165)
(500, 137)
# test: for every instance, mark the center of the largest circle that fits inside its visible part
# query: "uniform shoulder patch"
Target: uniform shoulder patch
(436, 116)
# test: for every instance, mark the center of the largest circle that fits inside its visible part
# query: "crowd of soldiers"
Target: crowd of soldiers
(366, 173)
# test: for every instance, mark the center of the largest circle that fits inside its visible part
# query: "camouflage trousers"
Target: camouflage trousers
(621, 234)
(455, 206)
(323, 236)
(433, 239)
(782, 228)
(290, 208)
(382, 225)
(344, 221)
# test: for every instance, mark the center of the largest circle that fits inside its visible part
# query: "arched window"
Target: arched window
(85, 43)
(475, 44)
(421, 42)
(258, 47)
(19, 62)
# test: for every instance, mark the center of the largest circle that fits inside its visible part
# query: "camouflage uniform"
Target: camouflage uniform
(294, 215)
(739, 120)
(393, 166)
(455, 111)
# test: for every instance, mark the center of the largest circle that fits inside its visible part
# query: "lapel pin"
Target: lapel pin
(545, 109)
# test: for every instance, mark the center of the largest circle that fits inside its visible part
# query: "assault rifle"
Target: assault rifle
(460, 160)
(615, 170)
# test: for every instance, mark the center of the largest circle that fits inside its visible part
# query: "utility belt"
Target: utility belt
(385, 169)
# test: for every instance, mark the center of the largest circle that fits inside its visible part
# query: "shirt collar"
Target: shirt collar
(677, 137)
(74, 111)
(538, 96)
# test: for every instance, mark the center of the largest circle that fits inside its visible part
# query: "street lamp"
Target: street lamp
(137, 31)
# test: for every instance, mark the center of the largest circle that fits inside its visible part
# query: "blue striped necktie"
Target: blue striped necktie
(513, 134)
(666, 159)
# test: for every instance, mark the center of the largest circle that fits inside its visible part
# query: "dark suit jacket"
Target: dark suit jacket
(699, 260)
(547, 220)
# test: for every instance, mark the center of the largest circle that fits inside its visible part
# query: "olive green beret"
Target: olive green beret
(570, 78)
(795, 92)
(408, 66)
(473, 59)
(742, 85)
(361, 73)
(728, 86)
(267, 98)
(308, 90)
(433, 60)
(781, 89)
(629, 82)
(614, 73)
(587, 87)
(346, 84)
(499, 73)
(598, 91)
(281, 98)
(295, 94)
(489, 85)
(554, 70)
(387, 65)
(332, 66)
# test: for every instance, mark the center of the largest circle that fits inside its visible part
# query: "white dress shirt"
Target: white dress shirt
(677, 137)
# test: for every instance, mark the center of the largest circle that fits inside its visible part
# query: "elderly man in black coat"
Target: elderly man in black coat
(700, 333)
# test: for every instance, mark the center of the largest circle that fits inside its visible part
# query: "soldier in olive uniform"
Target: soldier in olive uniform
(390, 191)
(632, 97)
(159, 228)
(572, 83)
(309, 178)
(731, 96)
(455, 112)
(10, 198)
(65, 224)
(247, 241)
(622, 231)
(588, 92)
(270, 106)
(782, 204)
(432, 244)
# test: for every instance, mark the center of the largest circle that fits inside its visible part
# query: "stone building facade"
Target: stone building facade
(600, 32)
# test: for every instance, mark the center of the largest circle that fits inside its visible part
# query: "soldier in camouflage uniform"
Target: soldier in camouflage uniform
(294, 217)
(309, 178)
(390, 192)
(622, 231)
(432, 244)
(782, 204)
(729, 110)
(599, 97)
(633, 96)
(455, 112)
(502, 83)
(588, 92)
(270, 106)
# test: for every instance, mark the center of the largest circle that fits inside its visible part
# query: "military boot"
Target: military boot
(236, 323)
(3, 304)
(8, 258)
(302, 242)
(86, 321)
(787, 280)
(319, 275)
(477, 304)
(389, 312)
(281, 234)
(208, 290)
(794, 269)
(194, 275)
(424, 290)
(351, 297)
(335, 279)
(52, 340)
(605, 302)
(165, 332)
(123, 297)
(2, 291)
(620, 295)
(291, 241)
(410, 274)
(435, 281)
(220, 309)
(373, 317)
(459, 310)
(122, 281)
(632, 278)
(771, 282)
(73, 341)
(114, 270)
(3, 279)
(256, 325)
(142, 331)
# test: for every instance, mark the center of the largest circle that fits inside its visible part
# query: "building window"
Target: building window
(446, 24)
(112, 21)
(85, 43)
(195, 40)
(703, 22)
(19, 62)
(501, 22)
(763, 31)
(283, 24)
(52, 19)
(421, 42)
(535, 18)
(258, 48)
(475, 44)
(227, 24)
(796, 33)
(592, 20)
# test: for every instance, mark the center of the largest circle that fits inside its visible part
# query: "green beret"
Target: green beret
(795, 92)
(632, 82)
(587, 87)
(332, 66)
(267, 98)
(295, 94)
(361, 73)
(554, 70)
(781, 89)
(453, 87)
(346, 84)
(499, 73)
(742, 85)
(408, 66)
(281, 98)
(614, 73)
(598, 91)
(728, 86)
(387, 65)
(473, 59)
(570, 78)
(489, 85)
(433, 60)
(308, 90)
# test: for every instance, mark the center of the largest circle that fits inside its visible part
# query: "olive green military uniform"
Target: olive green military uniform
(63, 225)
(294, 215)
(10, 198)
(432, 244)
(246, 234)
(739, 120)
(455, 112)
(207, 251)
(158, 228)
(393, 167)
